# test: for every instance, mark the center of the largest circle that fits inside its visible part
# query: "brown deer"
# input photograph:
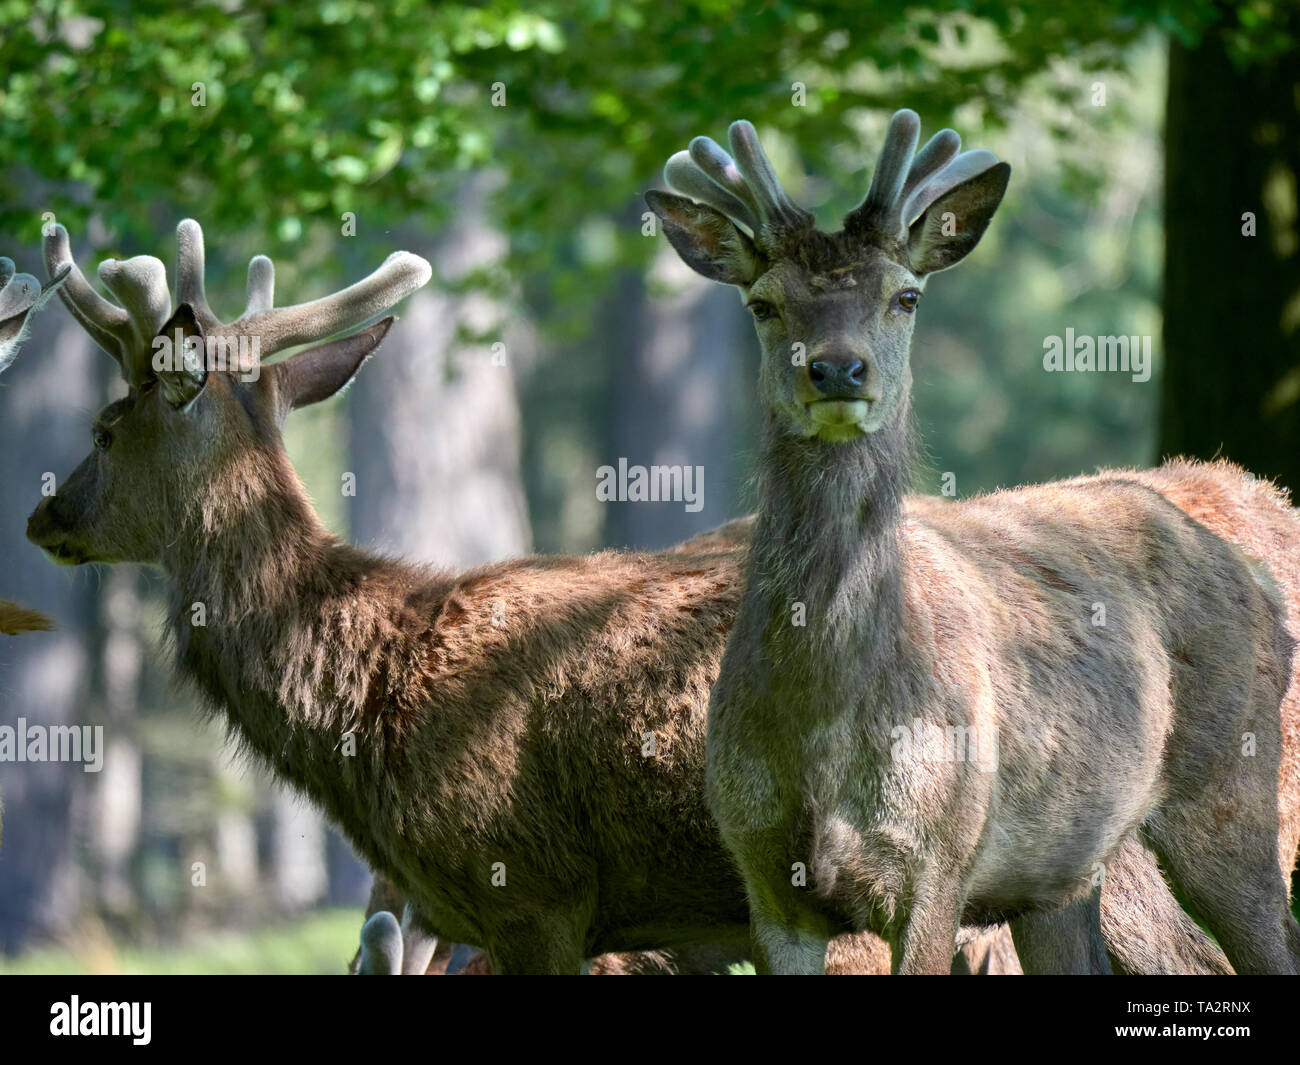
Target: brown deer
(484, 739)
(874, 627)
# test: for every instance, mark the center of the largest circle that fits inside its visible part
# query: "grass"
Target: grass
(320, 943)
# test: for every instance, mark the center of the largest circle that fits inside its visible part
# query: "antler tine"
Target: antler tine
(261, 285)
(283, 327)
(708, 155)
(190, 269)
(17, 291)
(962, 168)
(682, 173)
(775, 208)
(140, 285)
(21, 296)
(418, 944)
(939, 151)
(884, 195)
(904, 185)
(108, 325)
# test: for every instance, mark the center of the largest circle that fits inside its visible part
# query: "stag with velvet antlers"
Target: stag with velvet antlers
(1160, 731)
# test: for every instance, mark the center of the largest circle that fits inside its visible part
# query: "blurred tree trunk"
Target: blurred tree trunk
(299, 874)
(1231, 383)
(435, 418)
(114, 796)
(49, 394)
(435, 426)
(682, 377)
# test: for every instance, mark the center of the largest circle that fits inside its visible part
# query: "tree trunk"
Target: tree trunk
(683, 378)
(1231, 384)
(48, 393)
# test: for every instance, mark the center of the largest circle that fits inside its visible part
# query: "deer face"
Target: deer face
(834, 312)
(120, 504)
(194, 447)
(835, 344)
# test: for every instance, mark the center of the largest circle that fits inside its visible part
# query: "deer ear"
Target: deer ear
(179, 358)
(706, 239)
(319, 372)
(21, 296)
(951, 226)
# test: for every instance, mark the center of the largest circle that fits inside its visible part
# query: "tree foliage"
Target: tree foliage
(259, 115)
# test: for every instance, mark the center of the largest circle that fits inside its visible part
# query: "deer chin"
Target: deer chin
(56, 546)
(65, 555)
(840, 420)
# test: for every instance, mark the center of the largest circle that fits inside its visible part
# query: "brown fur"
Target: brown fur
(498, 715)
(15, 619)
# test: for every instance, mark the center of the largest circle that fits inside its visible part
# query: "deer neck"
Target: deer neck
(824, 595)
(263, 604)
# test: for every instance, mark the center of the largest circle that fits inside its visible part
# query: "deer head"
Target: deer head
(196, 428)
(834, 311)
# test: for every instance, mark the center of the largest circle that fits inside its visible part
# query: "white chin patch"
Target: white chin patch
(840, 419)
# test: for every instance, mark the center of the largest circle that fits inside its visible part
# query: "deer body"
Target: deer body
(972, 617)
(499, 720)
(978, 615)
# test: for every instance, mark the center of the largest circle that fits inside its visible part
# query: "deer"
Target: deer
(874, 622)
(518, 748)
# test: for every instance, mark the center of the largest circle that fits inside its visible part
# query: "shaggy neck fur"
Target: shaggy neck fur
(302, 637)
(827, 536)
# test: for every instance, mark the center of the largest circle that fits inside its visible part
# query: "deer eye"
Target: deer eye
(908, 299)
(101, 439)
(761, 310)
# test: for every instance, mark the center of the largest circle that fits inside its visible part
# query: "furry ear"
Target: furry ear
(21, 297)
(951, 226)
(179, 358)
(706, 239)
(319, 372)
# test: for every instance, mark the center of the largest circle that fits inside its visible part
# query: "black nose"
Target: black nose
(839, 379)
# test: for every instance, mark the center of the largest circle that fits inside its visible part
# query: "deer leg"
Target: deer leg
(929, 938)
(788, 937)
(1067, 940)
(788, 944)
(1232, 882)
(553, 946)
(1147, 932)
